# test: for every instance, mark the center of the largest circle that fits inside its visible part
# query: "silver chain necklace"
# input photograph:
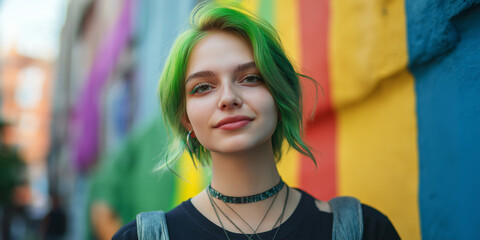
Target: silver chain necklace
(254, 230)
(279, 220)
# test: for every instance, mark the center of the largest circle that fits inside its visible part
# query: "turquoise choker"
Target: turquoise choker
(248, 199)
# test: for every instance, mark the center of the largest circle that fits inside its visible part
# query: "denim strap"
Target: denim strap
(347, 218)
(152, 226)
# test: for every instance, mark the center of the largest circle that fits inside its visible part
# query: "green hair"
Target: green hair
(279, 76)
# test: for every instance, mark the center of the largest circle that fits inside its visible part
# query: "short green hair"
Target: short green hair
(279, 75)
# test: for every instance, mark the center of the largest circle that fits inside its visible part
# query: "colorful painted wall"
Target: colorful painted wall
(396, 123)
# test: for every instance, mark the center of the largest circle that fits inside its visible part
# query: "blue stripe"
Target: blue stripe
(444, 52)
(158, 23)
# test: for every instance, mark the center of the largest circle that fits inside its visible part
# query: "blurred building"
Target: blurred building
(25, 104)
(103, 97)
(83, 33)
(26, 85)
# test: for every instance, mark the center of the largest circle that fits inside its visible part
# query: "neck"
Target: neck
(245, 173)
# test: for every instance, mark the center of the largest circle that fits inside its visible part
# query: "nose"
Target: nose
(229, 98)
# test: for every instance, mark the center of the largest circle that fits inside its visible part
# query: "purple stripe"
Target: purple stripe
(87, 117)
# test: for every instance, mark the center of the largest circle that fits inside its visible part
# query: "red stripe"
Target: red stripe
(320, 133)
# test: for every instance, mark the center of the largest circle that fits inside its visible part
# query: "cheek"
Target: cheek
(198, 114)
(273, 115)
(269, 110)
(269, 106)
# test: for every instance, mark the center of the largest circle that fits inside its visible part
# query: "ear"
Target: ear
(186, 124)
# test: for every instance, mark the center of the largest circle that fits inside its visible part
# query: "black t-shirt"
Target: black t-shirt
(306, 222)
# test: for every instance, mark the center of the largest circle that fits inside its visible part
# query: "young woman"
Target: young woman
(231, 97)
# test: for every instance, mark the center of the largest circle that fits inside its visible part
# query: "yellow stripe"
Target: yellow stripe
(373, 93)
(250, 5)
(289, 166)
(287, 24)
(194, 179)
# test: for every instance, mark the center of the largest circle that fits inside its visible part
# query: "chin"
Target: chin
(231, 148)
(239, 145)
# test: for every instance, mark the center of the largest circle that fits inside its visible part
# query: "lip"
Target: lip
(234, 122)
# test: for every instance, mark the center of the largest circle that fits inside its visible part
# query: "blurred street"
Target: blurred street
(396, 123)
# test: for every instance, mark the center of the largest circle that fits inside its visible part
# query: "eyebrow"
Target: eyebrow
(201, 74)
(244, 67)
(238, 69)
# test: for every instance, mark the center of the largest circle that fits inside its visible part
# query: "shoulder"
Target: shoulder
(372, 214)
(376, 225)
(323, 206)
(129, 231)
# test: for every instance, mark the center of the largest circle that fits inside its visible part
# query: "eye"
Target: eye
(200, 88)
(252, 79)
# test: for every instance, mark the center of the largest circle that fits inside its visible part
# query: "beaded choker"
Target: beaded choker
(248, 199)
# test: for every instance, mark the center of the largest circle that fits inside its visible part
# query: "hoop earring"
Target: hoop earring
(190, 150)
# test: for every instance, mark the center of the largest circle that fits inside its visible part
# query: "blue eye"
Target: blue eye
(252, 78)
(200, 88)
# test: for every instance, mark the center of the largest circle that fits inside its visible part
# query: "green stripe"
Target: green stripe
(265, 10)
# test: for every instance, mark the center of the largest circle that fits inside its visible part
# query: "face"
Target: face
(228, 106)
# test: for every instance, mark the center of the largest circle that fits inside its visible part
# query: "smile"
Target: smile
(232, 123)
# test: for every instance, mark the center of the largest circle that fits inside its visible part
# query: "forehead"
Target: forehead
(219, 51)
